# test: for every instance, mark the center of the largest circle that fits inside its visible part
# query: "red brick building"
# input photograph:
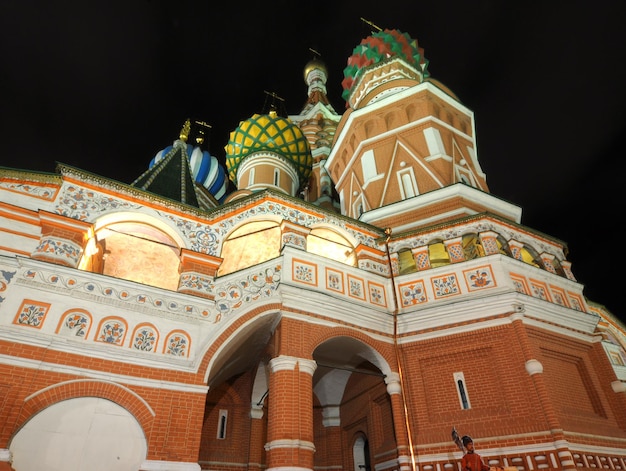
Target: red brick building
(351, 296)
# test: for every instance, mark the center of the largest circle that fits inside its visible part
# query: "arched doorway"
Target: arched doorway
(77, 434)
(361, 454)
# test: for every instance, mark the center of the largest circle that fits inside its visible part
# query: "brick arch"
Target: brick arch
(215, 348)
(383, 350)
(73, 389)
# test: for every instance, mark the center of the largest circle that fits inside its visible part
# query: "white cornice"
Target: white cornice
(101, 375)
(461, 190)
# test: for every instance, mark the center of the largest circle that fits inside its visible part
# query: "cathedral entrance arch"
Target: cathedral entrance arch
(353, 401)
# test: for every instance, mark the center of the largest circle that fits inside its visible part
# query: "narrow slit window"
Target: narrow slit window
(221, 424)
(461, 389)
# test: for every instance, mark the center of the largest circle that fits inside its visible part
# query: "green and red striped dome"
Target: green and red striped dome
(378, 47)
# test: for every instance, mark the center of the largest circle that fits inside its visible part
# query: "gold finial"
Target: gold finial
(273, 109)
(371, 24)
(184, 132)
(202, 126)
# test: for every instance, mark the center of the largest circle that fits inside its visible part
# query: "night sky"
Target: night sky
(104, 86)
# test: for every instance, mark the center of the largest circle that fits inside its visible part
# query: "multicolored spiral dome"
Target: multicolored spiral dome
(270, 133)
(379, 47)
(206, 169)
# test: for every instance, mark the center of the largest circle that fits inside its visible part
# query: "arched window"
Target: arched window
(249, 245)
(406, 262)
(461, 389)
(471, 247)
(530, 256)
(134, 251)
(438, 255)
(503, 246)
(330, 244)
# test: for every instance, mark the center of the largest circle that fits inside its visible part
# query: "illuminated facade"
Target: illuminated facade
(351, 296)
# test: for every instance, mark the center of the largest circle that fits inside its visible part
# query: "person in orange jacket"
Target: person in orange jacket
(471, 460)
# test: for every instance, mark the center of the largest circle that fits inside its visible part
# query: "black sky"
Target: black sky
(103, 86)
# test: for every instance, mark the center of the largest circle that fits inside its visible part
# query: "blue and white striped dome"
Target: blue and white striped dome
(205, 168)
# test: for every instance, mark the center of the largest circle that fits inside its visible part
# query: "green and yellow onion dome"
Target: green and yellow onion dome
(378, 47)
(269, 133)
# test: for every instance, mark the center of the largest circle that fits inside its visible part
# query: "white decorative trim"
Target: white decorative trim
(404, 462)
(5, 455)
(99, 375)
(393, 383)
(286, 443)
(307, 366)
(283, 362)
(151, 465)
(331, 416)
(618, 386)
(392, 380)
(256, 411)
(534, 367)
(289, 468)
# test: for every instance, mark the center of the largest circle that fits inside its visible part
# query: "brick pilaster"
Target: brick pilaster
(256, 457)
(290, 414)
(394, 388)
(535, 369)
